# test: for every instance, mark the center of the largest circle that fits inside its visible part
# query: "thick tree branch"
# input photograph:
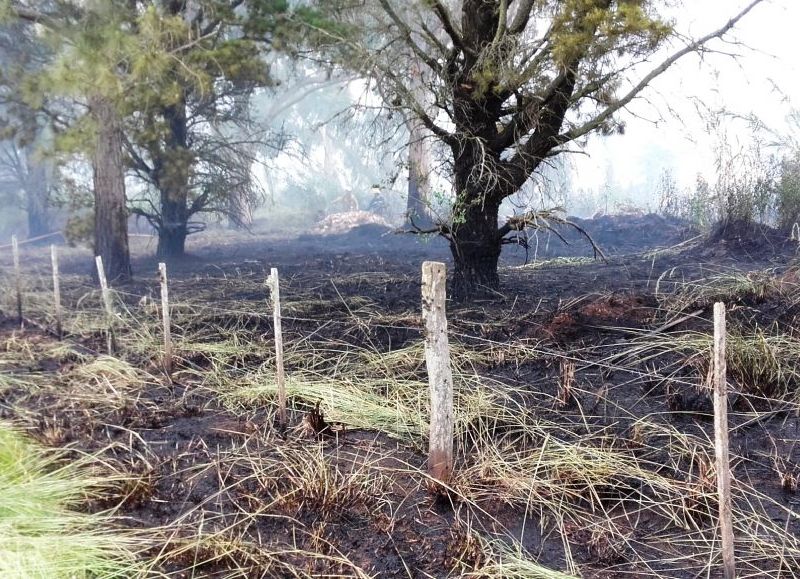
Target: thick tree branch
(527, 117)
(416, 107)
(34, 16)
(521, 18)
(548, 122)
(437, 229)
(443, 14)
(501, 24)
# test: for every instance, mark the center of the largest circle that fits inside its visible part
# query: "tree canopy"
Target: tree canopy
(506, 85)
(176, 77)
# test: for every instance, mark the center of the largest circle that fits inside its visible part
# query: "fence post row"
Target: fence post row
(165, 318)
(440, 375)
(721, 442)
(106, 293)
(280, 377)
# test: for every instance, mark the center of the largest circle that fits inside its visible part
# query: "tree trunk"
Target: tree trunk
(419, 170)
(172, 233)
(475, 244)
(173, 171)
(36, 199)
(418, 210)
(110, 214)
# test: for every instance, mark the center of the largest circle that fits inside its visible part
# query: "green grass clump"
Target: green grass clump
(41, 533)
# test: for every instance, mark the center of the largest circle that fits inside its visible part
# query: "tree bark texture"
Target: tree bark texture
(475, 238)
(172, 173)
(110, 213)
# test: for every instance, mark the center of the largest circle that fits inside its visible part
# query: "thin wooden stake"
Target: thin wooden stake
(56, 291)
(17, 278)
(165, 317)
(280, 378)
(440, 375)
(106, 293)
(721, 442)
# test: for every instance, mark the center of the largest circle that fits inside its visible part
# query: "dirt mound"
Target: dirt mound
(742, 235)
(615, 234)
(338, 223)
(359, 231)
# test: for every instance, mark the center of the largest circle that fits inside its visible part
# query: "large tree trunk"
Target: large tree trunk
(476, 251)
(475, 243)
(110, 213)
(173, 171)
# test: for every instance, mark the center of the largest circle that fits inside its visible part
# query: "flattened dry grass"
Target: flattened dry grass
(589, 485)
(679, 294)
(759, 363)
(508, 455)
(503, 561)
(399, 408)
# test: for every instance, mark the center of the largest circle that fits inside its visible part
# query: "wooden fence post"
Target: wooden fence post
(106, 293)
(721, 442)
(440, 375)
(56, 292)
(280, 378)
(165, 317)
(17, 278)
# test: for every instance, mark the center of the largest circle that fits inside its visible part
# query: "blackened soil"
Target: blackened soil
(187, 449)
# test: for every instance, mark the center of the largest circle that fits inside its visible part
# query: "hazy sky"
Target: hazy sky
(664, 129)
(771, 58)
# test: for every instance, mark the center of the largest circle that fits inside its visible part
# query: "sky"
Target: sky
(769, 57)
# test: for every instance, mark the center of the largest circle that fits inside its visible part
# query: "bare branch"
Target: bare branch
(437, 229)
(545, 220)
(692, 47)
(407, 33)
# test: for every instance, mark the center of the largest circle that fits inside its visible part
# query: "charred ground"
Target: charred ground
(584, 416)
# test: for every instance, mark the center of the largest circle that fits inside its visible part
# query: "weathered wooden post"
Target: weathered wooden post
(17, 278)
(280, 378)
(109, 309)
(56, 292)
(165, 317)
(440, 375)
(721, 442)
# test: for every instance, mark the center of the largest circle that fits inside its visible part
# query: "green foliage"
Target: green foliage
(788, 192)
(584, 27)
(41, 535)
(750, 183)
(179, 75)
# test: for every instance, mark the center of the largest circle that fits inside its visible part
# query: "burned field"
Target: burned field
(583, 413)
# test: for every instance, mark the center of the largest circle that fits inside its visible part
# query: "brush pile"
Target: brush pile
(338, 223)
